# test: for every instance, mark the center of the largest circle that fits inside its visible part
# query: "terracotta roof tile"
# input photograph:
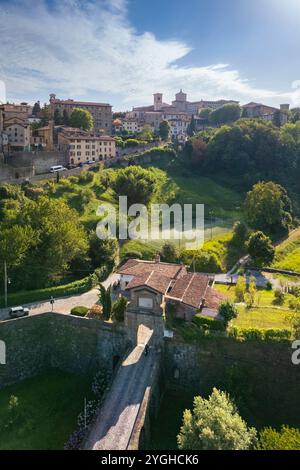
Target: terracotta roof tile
(214, 298)
(190, 289)
(136, 267)
(152, 279)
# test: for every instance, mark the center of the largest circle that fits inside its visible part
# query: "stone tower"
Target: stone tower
(158, 101)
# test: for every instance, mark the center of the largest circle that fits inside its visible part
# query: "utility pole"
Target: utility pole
(5, 284)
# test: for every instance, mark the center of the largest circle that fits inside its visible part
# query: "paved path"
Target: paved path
(115, 423)
(64, 304)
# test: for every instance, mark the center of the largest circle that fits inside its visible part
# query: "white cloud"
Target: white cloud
(89, 49)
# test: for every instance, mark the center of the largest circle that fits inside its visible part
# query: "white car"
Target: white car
(57, 168)
(17, 312)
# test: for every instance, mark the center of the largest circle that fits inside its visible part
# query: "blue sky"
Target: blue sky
(122, 51)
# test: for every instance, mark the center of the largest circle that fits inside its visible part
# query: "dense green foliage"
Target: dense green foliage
(260, 249)
(249, 151)
(119, 308)
(214, 424)
(209, 323)
(164, 130)
(225, 115)
(268, 208)
(138, 184)
(228, 311)
(79, 311)
(42, 233)
(82, 119)
(285, 439)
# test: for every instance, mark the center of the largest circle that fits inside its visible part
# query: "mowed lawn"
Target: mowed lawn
(264, 314)
(46, 415)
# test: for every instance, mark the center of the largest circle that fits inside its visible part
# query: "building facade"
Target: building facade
(84, 146)
(101, 112)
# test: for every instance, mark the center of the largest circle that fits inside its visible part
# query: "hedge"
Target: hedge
(79, 311)
(257, 334)
(25, 297)
(209, 323)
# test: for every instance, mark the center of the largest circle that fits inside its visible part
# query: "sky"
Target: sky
(123, 51)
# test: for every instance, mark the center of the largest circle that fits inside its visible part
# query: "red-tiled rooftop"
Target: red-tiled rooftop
(136, 267)
(214, 298)
(154, 280)
(190, 289)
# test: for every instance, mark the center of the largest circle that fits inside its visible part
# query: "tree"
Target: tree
(240, 289)
(214, 424)
(169, 253)
(228, 311)
(164, 130)
(198, 151)
(44, 231)
(191, 127)
(277, 118)
(57, 117)
(103, 253)
(205, 113)
(285, 439)
(119, 309)
(36, 109)
(137, 183)
(225, 114)
(105, 300)
(251, 292)
(65, 118)
(295, 115)
(45, 115)
(268, 208)
(147, 133)
(82, 119)
(240, 234)
(260, 249)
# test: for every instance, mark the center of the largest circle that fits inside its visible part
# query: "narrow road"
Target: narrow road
(115, 423)
(64, 304)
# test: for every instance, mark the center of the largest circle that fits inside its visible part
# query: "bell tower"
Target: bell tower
(158, 101)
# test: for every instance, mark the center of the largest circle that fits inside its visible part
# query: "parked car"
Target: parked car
(17, 312)
(56, 168)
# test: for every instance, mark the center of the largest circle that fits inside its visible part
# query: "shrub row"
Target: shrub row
(209, 323)
(257, 334)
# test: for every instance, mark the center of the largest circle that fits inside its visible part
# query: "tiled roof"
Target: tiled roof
(190, 289)
(154, 280)
(214, 298)
(135, 267)
(79, 103)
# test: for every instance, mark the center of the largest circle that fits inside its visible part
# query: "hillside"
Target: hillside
(288, 253)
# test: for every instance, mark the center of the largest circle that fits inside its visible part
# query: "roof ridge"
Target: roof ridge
(191, 280)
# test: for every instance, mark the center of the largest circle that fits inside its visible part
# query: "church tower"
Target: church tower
(158, 101)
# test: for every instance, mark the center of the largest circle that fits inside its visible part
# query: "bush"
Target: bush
(119, 308)
(79, 311)
(95, 311)
(276, 334)
(256, 334)
(278, 297)
(228, 311)
(133, 254)
(209, 323)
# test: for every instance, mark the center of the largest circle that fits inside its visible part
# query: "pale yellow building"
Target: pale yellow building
(84, 146)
